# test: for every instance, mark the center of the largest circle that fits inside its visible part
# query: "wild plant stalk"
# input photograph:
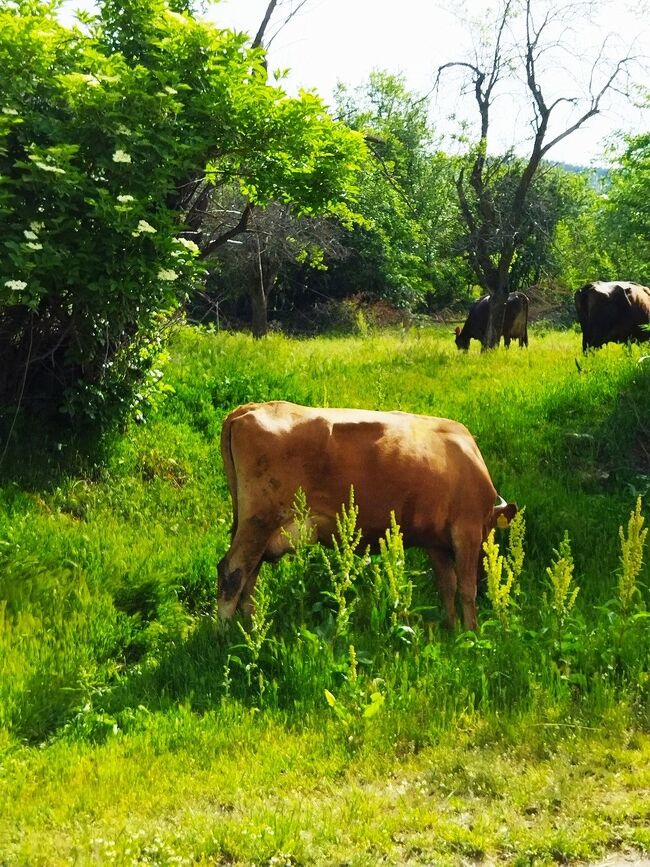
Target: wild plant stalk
(353, 670)
(500, 589)
(392, 587)
(631, 559)
(563, 596)
(255, 635)
(302, 542)
(347, 565)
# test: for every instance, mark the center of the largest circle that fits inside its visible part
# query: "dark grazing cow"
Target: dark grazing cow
(612, 313)
(515, 322)
(428, 471)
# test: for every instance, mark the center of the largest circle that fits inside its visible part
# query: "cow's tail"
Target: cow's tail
(229, 461)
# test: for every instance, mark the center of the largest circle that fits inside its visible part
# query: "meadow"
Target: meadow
(342, 725)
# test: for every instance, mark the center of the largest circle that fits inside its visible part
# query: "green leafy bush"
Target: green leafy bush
(105, 130)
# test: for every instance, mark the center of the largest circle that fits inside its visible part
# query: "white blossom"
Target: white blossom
(48, 167)
(143, 226)
(125, 198)
(121, 156)
(16, 285)
(189, 245)
(36, 227)
(32, 246)
(123, 130)
(31, 236)
(167, 274)
(170, 90)
(6, 110)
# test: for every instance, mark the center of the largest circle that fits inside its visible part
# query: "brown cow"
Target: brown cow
(612, 313)
(515, 321)
(427, 470)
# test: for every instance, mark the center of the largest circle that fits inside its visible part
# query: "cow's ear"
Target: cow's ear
(457, 330)
(505, 514)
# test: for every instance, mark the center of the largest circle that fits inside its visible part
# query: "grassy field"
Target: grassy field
(343, 726)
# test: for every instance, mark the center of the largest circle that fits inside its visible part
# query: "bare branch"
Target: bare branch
(291, 15)
(259, 37)
(594, 107)
(226, 236)
(258, 42)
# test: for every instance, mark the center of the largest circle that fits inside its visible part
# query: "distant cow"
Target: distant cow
(428, 471)
(612, 313)
(515, 322)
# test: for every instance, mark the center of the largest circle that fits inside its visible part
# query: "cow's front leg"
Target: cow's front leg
(467, 547)
(444, 568)
(246, 604)
(237, 572)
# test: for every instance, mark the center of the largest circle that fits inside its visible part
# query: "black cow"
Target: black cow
(612, 313)
(515, 321)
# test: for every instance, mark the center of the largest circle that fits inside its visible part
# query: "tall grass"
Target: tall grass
(107, 578)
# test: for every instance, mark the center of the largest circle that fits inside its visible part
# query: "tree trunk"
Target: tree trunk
(259, 306)
(260, 291)
(494, 330)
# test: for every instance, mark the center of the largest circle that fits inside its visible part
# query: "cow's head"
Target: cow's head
(462, 342)
(502, 514)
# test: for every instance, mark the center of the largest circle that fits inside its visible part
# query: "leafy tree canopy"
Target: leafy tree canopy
(627, 211)
(407, 246)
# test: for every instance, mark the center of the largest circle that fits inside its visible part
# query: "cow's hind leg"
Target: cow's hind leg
(442, 562)
(238, 570)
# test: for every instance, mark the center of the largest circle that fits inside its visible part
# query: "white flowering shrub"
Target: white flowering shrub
(102, 132)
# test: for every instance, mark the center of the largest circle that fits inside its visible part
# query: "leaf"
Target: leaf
(376, 704)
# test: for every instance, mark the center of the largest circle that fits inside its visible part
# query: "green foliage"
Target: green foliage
(583, 247)
(502, 590)
(392, 589)
(625, 219)
(406, 245)
(343, 565)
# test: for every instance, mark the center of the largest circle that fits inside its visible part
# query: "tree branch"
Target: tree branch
(239, 229)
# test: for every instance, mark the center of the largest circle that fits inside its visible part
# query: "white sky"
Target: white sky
(344, 40)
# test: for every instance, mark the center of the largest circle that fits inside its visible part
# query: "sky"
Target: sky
(344, 40)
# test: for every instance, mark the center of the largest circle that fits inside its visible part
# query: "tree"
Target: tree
(275, 242)
(626, 214)
(406, 246)
(583, 246)
(528, 41)
(109, 137)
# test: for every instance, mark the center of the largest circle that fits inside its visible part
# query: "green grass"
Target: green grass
(226, 789)
(134, 730)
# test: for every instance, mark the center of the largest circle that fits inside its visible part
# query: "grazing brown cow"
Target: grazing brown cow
(612, 313)
(427, 470)
(515, 321)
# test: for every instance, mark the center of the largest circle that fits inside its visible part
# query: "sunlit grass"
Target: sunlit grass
(241, 791)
